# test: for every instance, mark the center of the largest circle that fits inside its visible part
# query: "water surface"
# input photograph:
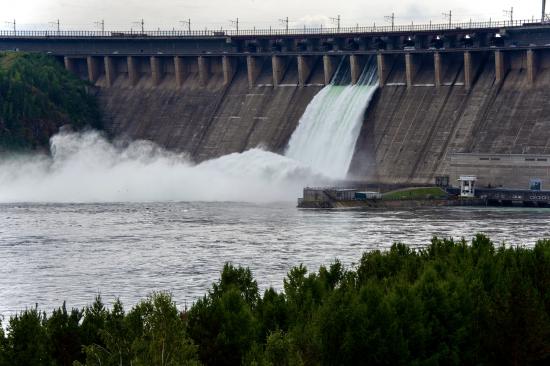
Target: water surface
(55, 252)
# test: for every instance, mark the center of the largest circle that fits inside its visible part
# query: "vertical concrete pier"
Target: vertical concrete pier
(383, 69)
(501, 66)
(532, 66)
(356, 66)
(110, 72)
(329, 66)
(304, 69)
(437, 70)
(156, 70)
(411, 68)
(204, 69)
(229, 66)
(69, 64)
(254, 68)
(180, 71)
(279, 64)
(468, 71)
(93, 68)
(133, 70)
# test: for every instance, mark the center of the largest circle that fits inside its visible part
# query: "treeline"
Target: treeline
(453, 303)
(37, 97)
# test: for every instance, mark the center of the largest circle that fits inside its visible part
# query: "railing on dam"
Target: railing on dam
(387, 29)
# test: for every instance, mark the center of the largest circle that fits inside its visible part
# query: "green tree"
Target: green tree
(161, 337)
(223, 323)
(37, 97)
(63, 331)
(27, 342)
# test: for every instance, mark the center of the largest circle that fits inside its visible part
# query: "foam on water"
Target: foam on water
(327, 132)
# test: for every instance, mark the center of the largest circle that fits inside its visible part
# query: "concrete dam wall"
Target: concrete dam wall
(497, 129)
(450, 102)
(435, 114)
(211, 118)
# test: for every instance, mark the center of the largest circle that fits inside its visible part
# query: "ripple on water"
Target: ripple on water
(55, 252)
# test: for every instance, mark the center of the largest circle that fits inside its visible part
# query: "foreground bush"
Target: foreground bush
(452, 303)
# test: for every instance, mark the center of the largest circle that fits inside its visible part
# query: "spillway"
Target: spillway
(328, 130)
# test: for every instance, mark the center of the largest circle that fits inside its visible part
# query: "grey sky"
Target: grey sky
(120, 14)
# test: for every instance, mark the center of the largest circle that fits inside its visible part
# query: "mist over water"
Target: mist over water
(87, 168)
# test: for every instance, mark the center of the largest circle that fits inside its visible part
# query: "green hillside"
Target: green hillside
(37, 97)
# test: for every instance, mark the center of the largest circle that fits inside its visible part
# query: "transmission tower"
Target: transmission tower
(391, 19)
(101, 24)
(336, 21)
(235, 23)
(510, 13)
(141, 23)
(449, 16)
(186, 23)
(284, 22)
(14, 26)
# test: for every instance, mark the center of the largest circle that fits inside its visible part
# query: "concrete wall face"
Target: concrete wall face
(432, 110)
(212, 120)
(411, 135)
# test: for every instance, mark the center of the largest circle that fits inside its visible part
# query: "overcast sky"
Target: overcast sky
(120, 14)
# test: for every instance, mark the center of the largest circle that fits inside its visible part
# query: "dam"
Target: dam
(450, 100)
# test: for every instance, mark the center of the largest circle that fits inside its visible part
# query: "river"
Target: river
(55, 252)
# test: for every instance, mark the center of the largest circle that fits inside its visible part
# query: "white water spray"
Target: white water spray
(87, 168)
(327, 132)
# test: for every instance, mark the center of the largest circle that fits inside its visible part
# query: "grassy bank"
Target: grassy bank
(453, 303)
(37, 97)
(422, 193)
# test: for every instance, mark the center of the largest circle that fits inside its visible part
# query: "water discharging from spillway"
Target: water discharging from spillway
(86, 167)
(328, 130)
